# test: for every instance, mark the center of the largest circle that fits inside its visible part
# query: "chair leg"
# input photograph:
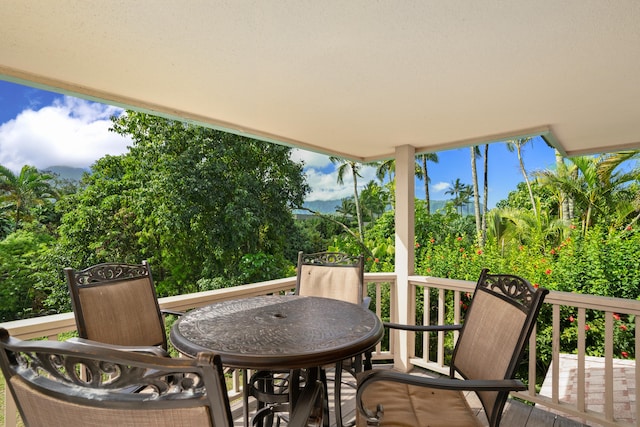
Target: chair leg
(323, 379)
(337, 394)
(245, 397)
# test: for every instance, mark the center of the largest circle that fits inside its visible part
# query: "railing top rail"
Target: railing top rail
(592, 302)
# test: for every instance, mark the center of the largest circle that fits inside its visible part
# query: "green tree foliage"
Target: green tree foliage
(354, 167)
(599, 186)
(20, 194)
(195, 202)
(20, 253)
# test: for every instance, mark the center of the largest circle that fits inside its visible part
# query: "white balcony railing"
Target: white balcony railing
(382, 289)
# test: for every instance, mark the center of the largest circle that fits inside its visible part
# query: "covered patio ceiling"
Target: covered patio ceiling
(353, 78)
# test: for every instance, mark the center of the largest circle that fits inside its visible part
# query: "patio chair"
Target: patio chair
(324, 274)
(491, 341)
(339, 276)
(46, 381)
(117, 304)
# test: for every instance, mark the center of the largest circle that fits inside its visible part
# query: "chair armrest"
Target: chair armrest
(174, 312)
(370, 377)
(309, 407)
(424, 328)
(152, 350)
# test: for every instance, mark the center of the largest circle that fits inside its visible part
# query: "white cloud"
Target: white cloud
(324, 185)
(440, 186)
(70, 132)
(310, 159)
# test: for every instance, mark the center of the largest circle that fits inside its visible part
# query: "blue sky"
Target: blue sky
(43, 129)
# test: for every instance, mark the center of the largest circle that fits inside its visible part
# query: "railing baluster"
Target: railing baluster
(426, 337)
(456, 314)
(532, 360)
(608, 365)
(582, 337)
(555, 353)
(441, 318)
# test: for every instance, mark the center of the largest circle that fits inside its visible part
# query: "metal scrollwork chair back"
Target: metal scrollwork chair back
(60, 384)
(490, 345)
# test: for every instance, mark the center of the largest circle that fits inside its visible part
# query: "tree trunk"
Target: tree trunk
(476, 193)
(426, 185)
(483, 227)
(565, 210)
(526, 180)
(358, 211)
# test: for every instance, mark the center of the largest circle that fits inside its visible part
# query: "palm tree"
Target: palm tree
(464, 199)
(342, 168)
(423, 159)
(516, 145)
(374, 200)
(483, 227)
(347, 208)
(384, 168)
(457, 189)
(475, 152)
(596, 183)
(511, 227)
(25, 190)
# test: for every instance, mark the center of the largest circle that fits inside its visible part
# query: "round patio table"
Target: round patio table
(278, 331)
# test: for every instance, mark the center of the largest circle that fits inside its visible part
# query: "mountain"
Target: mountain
(323, 206)
(67, 172)
(330, 206)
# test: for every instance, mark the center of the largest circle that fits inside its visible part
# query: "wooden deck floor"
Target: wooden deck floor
(516, 414)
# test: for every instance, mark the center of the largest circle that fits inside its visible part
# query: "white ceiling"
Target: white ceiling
(347, 77)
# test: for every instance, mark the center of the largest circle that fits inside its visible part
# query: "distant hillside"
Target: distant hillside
(67, 172)
(323, 206)
(330, 206)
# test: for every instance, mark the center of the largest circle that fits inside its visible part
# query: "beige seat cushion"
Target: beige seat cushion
(411, 406)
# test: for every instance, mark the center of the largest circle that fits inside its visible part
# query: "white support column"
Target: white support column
(405, 251)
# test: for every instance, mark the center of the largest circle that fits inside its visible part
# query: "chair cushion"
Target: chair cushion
(122, 313)
(340, 283)
(412, 406)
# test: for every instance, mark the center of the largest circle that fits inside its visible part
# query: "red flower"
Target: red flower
(535, 285)
(624, 354)
(623, 327)
(417, 245)
(376, 260)
(571, 319)
(616, 316)
(547, 271)
(461, 249)
(432, 240)
(573, 227)
(459, 238)
(587, 327)
(552, 251)
(479, 251)
(629, 228)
